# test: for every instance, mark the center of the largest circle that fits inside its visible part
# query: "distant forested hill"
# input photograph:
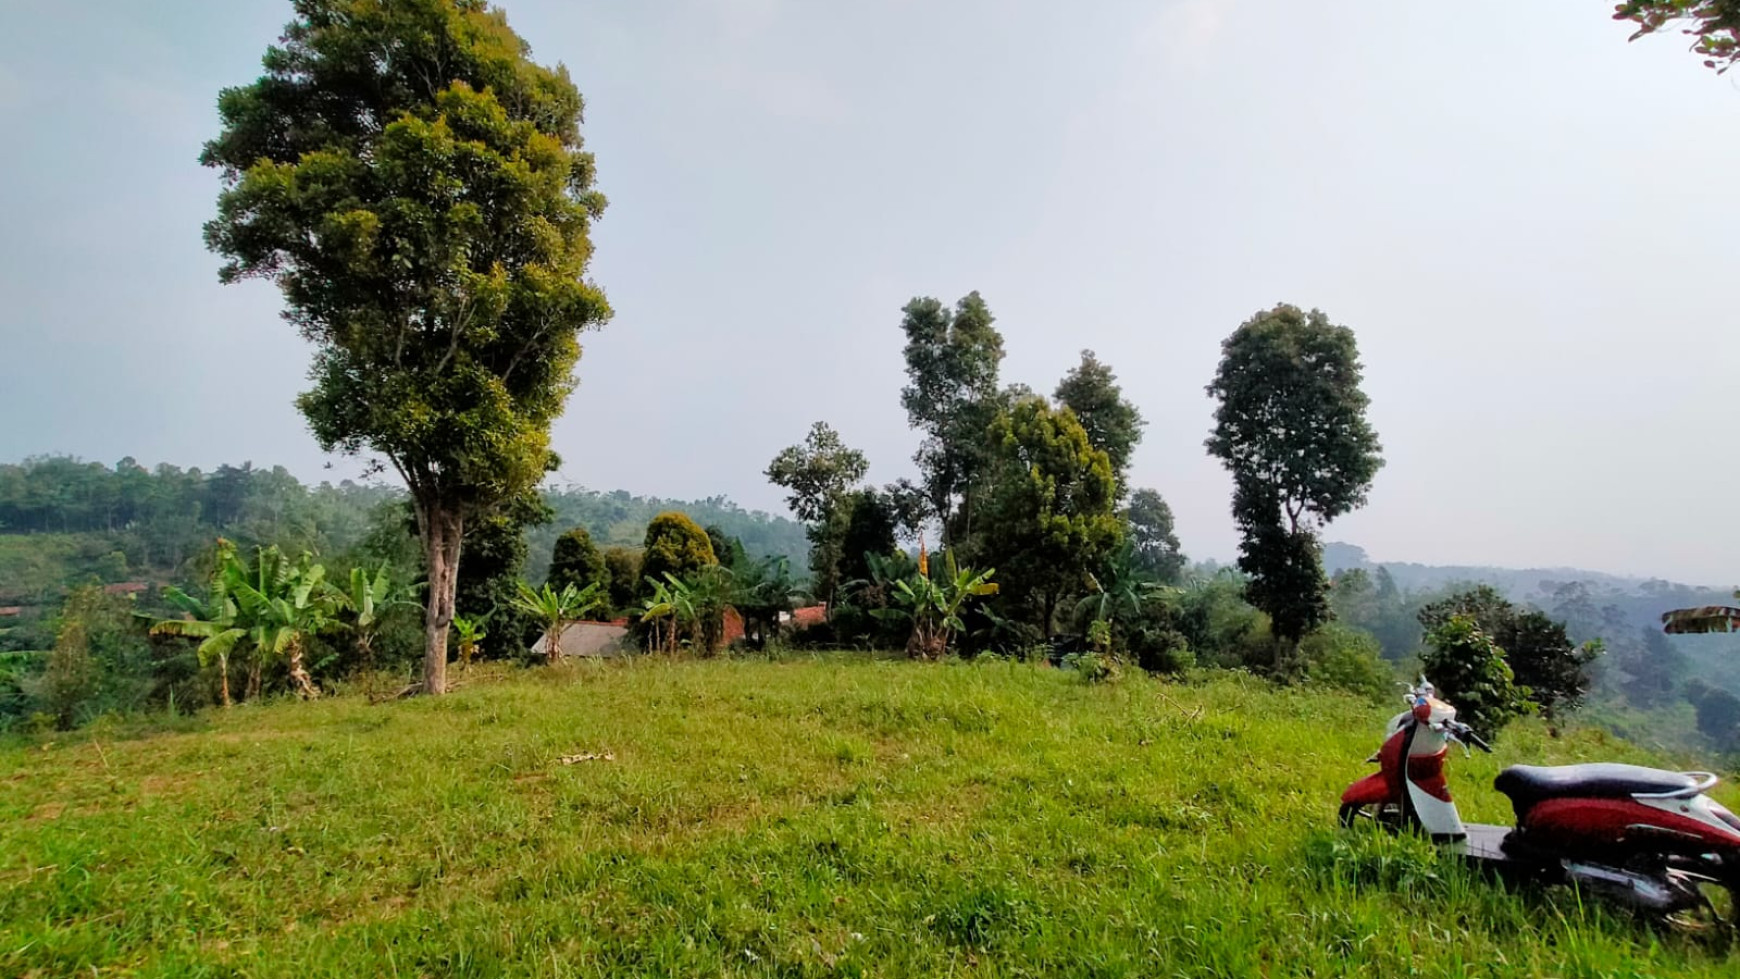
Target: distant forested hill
(1624, 613)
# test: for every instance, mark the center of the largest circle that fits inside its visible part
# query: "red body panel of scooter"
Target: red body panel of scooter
(1385, 784)
(1582, 823)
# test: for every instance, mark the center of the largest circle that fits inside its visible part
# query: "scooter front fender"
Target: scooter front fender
(1374, 789)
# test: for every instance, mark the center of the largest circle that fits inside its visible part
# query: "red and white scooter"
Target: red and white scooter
(1646, 838)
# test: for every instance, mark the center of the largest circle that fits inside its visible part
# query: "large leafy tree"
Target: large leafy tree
(416, 187)
(1050, 510)
(818, 476)
(817, 473)
(952, 363)
(576, 561)
(1112, 423)
(675, 546)
(1155, 550)
(1713, 25)
(1552, 670)
(1291, 428)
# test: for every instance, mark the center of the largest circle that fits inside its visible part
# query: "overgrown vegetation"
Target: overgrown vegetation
(815, 817)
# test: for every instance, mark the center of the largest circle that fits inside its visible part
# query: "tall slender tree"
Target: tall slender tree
(1291, 428)
(417, 188)
(952, 363)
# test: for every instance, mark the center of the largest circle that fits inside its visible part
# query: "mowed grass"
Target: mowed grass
(836, 816)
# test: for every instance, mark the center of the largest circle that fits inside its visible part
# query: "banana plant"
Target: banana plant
(669, 610)
(710, 591)
(284, 605)
(365, 602)
(213, 622)
(764, 592)
(555, 608)
(934, 608)
(471, 634)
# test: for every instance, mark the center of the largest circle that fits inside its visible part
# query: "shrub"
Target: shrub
(1469, 671)
(1347, 659)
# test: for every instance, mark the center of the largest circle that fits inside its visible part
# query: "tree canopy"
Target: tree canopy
(577, 561)
(417, 188)
(1050, 514)
(1113, 424)
(675, 546)
(1154, 544)
(952, 363)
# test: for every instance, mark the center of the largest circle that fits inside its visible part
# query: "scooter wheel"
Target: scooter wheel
(1386, 815)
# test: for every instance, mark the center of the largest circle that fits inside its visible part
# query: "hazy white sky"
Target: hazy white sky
(1528, 222)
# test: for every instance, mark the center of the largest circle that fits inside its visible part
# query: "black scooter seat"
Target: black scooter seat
(1529, 784)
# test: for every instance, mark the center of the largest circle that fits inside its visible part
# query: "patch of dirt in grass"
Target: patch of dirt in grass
(46, 812)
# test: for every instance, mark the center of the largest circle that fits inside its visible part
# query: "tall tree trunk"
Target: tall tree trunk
(255, 666)
(224, 678)
(553, 643)
(442, 529)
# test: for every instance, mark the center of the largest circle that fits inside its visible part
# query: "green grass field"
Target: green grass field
(815, 817)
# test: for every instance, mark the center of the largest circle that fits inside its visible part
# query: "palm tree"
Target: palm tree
(213, 622)
(556, 607)
(471, 634)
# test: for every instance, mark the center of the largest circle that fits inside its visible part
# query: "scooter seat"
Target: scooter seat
(1529, 784)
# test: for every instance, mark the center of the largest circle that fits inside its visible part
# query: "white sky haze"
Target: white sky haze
(1527, 221)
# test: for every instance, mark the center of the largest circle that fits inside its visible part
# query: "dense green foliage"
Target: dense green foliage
(1049, 514)
(952, 362)
(1469, 670)
(619, 519)
(416, 187)
(577, 561)
(1151, 534)
(841, 816)
(1113, 424)
(1291, 428)
(675, 546)
(1552, 671)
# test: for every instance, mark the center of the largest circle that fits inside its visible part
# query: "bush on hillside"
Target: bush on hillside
(1347, 659)
(1468, 670)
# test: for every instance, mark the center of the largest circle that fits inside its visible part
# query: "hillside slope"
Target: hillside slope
(821, 817)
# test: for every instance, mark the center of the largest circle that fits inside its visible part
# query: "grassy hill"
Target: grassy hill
(809, 818)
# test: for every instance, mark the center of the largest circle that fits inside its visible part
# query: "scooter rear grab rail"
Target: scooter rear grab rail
(1702, 783)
